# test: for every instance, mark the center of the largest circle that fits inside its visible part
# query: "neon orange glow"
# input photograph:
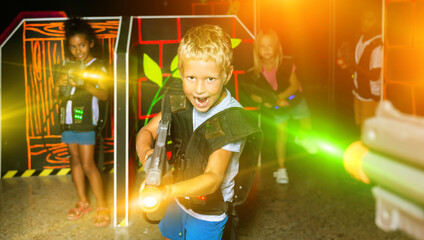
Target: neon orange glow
(403, 55)
(352, 161)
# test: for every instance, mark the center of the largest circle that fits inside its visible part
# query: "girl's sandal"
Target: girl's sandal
(79, 211)
(102, 217)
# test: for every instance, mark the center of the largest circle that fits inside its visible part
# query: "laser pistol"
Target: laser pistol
(74, 70)
(155, 167)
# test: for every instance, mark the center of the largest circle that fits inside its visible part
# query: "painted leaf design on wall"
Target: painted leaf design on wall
(235, 42)
(174, 68)
(152, 70)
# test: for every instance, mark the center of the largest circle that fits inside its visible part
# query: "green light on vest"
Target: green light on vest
(78, 113)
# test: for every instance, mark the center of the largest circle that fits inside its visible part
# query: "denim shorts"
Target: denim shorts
(82, 138)
(300, 111)
(177, 224)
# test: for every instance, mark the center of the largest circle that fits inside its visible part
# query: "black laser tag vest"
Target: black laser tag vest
(191, 150)
(364, 87)
(82, 107)
(256, 83)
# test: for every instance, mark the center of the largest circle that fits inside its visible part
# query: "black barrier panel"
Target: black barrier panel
(13, 135)
(157, 41)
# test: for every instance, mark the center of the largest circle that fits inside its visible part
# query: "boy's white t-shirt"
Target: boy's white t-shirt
(227, 185)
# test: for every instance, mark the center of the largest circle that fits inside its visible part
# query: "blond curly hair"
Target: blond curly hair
(208, 43)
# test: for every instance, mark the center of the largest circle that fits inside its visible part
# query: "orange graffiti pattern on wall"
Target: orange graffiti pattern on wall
(43, 48)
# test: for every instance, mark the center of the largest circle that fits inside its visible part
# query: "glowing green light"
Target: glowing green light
(78, 113)
(329, 148)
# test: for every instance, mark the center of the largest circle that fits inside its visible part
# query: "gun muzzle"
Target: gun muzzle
(150, 199)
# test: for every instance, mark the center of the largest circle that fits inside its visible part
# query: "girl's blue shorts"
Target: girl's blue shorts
(179, 225)
(82, 138)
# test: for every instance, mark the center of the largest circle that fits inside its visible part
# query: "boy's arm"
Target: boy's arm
(146, 138)
(205, 184)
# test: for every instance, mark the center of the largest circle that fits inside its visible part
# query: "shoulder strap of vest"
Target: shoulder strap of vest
(174, 99)
(221, 129)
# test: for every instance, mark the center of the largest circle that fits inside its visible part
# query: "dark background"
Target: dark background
(305, 28)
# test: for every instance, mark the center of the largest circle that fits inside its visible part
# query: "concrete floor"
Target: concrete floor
(321, 202)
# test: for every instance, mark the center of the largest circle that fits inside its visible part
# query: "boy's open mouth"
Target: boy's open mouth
(201, 101)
